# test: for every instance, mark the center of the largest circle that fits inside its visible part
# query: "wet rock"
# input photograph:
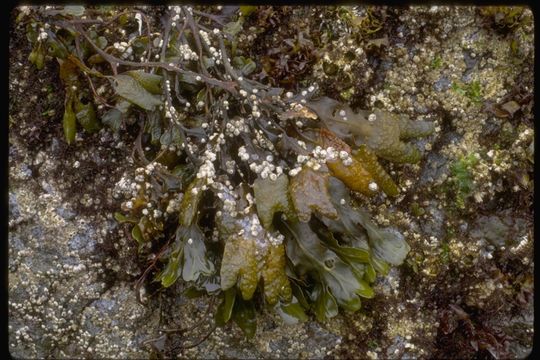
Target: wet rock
(274, 339)
(319, 336)
(442, 84)
(117, 321)
(24, 172)
(492, 126)
(420, 107)
(470, 63)
(55, 145)
(435, 168)
(14, 212)
(436, 224)
(397, 346)
(16, 242)
(499, 231)
(47, 187)
(492, 229)
(105, 305)
(13, 152)
(65, 213)
(519, 329)
(386, 285)
(84, 241)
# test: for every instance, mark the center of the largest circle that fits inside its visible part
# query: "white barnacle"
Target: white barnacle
(347, 161)
(373, 186)
(42, 35)
(295, 171)
(242, 154)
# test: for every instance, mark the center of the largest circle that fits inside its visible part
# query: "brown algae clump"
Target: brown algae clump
(242, 190)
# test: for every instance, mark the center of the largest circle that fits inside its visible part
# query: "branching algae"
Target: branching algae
(244, 187)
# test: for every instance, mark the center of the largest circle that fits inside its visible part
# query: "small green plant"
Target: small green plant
(473, 90)
(458, 88)
(437, 62)
(417, 210)
(462, 183)
(445, 252)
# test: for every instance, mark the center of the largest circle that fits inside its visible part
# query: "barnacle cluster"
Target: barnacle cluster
(244, 187)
